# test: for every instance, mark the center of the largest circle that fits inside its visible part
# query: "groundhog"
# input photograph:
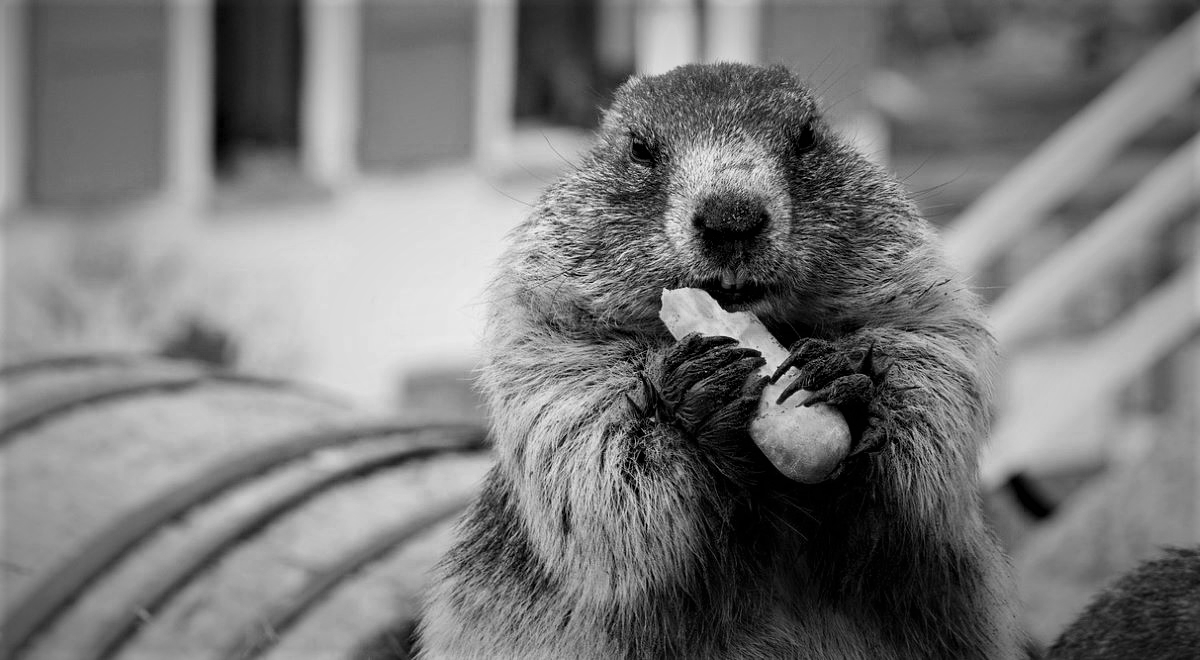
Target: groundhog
(629, 515)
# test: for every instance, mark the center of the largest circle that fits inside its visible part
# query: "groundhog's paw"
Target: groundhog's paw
(847, 376)
(703, 386)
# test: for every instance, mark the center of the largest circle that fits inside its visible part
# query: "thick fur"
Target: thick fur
(1153, 612)
(605, 532)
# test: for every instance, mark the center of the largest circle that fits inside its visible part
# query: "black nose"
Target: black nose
(730, 218)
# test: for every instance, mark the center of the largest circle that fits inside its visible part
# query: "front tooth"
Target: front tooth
(728, 280)
(741, 280)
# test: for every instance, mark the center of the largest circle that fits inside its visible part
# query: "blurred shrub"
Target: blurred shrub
(81, 288)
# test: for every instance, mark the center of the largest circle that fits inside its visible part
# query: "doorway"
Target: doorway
(258, 59)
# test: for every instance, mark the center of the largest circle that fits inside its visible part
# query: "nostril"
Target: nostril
(730, 218)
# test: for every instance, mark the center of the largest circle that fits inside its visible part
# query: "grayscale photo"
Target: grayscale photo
(600, 329)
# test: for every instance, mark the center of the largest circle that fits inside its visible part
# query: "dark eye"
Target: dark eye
(640, 151)
(805, 139)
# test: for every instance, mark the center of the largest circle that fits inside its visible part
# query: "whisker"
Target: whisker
(557, 153)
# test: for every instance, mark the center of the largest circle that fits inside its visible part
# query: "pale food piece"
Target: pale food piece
(805, 443)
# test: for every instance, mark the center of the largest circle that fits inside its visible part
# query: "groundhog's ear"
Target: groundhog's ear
(788, 78)
(615, 113)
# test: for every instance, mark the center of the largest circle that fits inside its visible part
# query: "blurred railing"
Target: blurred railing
(1164, 320)
(1070, 158)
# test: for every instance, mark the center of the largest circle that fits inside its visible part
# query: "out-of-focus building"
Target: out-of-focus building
(111, 101)
(346, 169)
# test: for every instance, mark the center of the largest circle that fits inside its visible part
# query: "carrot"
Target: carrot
(805, 443)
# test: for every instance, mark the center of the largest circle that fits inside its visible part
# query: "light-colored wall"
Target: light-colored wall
(330, 92)
(667, 35)
(733, 31)
(495, 83)
(190, 100)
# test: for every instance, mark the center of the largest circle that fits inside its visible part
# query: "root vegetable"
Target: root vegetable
(805, 443)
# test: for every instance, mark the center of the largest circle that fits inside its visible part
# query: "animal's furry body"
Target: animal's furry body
(1153, 612)
(607, 531)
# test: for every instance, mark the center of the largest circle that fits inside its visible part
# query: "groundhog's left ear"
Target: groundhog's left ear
(617, 110)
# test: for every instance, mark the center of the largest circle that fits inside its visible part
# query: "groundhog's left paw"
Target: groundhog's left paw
(702, 385)
(847, 378)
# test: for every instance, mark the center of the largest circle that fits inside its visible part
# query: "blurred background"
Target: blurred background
(317, 190)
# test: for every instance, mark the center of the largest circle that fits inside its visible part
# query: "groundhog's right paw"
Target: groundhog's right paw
(702, 385)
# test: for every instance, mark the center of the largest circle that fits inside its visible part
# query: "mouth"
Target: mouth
(733, 290)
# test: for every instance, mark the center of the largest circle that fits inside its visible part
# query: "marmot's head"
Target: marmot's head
(723, 177)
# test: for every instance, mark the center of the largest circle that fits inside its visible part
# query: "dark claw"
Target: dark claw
(653, 402)
(820, 396)
(855, 386)
(788, 363)
(792, 388)
(728, 419)
(867, 364)
(745, 365)
(650, 393)
(708, 395)
(824, 369)
(635, 406)
(700, 368)
(690, 346)
(854, 389)
(696, 343)
(802, 351)
(872, 440)
(702, 385)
